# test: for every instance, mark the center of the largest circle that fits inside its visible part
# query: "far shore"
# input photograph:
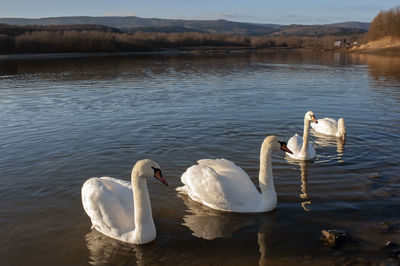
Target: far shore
(201, 50)
(185, 50)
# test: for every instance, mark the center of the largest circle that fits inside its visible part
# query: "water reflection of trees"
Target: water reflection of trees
(382, 66)
(83, 66)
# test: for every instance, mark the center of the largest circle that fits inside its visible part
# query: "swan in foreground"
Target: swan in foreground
(331, 127)
(121, 209)
(301, 147)
(222, 185)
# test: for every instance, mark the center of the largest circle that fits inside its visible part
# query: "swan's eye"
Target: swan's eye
(156, 170)
(158, 175)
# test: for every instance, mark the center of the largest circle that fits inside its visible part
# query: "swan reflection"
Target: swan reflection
(104, 250)
(304, 194)
(325, 141)
(263, 237)
(305, 199)
(208, 223)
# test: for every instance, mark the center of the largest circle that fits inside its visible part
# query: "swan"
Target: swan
(222, 185)
(331, 127)
(301, 147)
(121, 209)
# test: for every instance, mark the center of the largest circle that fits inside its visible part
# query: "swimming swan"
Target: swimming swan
(331, 127)
(301, 147)
(120, 210)
(222, 185)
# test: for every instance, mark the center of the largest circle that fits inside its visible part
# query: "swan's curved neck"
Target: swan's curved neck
(144, 224)
(265, 178)
(306, 133)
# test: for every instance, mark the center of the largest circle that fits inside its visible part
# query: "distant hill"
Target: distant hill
(316, 31)
(352, 25)
(132, 24)
(13, 30)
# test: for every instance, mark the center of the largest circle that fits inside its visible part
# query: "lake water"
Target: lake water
(66, 119)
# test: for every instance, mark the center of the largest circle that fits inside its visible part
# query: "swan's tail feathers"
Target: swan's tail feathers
(296, 135)
(182, 189)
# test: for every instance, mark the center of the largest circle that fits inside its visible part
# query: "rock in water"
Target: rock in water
(332, 238)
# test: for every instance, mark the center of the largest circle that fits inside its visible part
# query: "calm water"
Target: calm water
(64, 120)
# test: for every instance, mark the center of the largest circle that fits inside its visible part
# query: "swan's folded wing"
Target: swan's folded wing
(109, 204)
(294, 144)
(222, 166)
(203, 185)
(326, 126)
(220, 184)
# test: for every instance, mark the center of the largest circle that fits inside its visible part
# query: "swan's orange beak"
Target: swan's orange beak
(284, 147)
(158, 175)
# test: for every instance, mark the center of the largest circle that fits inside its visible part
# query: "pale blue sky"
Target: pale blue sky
(278, 11)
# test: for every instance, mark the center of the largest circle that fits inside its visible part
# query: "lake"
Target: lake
(65, 119)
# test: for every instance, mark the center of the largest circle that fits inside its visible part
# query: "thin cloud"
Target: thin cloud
(126, 13)
(237, 17)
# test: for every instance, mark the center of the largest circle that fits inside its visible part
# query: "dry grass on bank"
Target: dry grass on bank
(388, 42)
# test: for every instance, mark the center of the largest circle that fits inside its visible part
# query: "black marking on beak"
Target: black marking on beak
(284, 147)
(314, 119)
(158, 175)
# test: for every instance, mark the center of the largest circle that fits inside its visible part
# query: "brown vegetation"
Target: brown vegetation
(386, 23)
(83, 38)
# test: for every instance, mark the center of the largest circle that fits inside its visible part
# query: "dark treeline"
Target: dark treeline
(93, 38)
(386, 23)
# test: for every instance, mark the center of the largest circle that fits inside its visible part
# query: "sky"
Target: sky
(256, 11)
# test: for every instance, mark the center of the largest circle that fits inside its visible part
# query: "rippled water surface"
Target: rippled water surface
(63, 120)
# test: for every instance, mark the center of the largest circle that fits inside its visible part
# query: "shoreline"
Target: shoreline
(186, 50)
(388, 44)
(198, 50)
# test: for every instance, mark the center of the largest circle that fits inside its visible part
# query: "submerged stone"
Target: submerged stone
(333, 238)
(390, 244)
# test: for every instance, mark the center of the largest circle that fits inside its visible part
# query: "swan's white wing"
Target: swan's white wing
(294, 144)
(109, 204)
(223, 167)
(221, 185)
(328, 126)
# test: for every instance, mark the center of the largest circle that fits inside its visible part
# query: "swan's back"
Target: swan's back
(220, 184)
(109, 204)
(327, 126)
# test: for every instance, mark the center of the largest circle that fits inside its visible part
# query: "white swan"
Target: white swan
(301, 147)
(222, 185)
(121, 210)
(331, 127)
